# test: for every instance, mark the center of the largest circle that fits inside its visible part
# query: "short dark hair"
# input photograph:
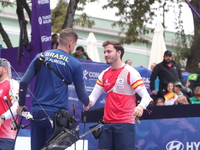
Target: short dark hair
(54, 35)
(159, 98)
(80, 48)
(117, 45)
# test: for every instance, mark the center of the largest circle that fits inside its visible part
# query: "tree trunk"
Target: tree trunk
(68, 23)
(26, 7)
(21, 17)
(194, 56)
(5, 37)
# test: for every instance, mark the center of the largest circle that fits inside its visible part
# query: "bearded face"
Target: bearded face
(168, 58)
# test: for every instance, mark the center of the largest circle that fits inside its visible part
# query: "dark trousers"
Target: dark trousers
(117, 136)
(41, 131)
(6, 144)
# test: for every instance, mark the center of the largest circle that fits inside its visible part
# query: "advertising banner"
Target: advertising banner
(168, 134)
(41, 25)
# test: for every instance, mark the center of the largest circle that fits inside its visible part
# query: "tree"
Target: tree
(136, 14)
(67, 10)
(194, 54)
(21, 4)
(57, 15)
(2, 31)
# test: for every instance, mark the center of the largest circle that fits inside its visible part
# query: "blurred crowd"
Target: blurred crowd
(168, 87)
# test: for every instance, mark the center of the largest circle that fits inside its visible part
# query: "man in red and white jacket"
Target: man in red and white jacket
(120, 82)
(8, 101)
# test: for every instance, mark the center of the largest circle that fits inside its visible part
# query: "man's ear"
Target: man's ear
(119, 52)
(5, 69)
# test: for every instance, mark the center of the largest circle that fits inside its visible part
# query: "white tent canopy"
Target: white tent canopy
(92, 47)
(158, 46)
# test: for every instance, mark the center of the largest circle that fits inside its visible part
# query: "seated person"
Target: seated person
(160, 101)
(179, 91)
(178, 94)
(79, 53)
(87, 56)
(170, 95)
(182, 100)
(196, 98)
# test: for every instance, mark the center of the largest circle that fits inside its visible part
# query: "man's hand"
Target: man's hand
(19, 110)
(88, 107)
(155, 92)
(138, 111)
(187, 86)
(1, 121)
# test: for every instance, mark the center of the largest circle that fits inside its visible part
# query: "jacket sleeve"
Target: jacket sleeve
(23, 85)
(153, 76)
(81, 92)
(180, 74)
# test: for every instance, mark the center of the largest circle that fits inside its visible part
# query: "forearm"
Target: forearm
(81, 93)
(13, 109)
(97, 91)
(146, 99)
(28, 76)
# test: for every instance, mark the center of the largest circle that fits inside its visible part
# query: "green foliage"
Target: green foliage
(183, 44)
(6, 3)
(58, 15)
(183, 41)
(134, 14)
(83, 21)
(59, 12)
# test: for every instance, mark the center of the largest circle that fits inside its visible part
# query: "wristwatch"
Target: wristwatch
(2, 117)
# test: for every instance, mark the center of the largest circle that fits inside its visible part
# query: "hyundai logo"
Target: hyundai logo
(175, 145)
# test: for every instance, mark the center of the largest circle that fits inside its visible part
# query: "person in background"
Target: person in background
(178, 94)
(152, 66)
(129, 62)
(120, 82)
(167, 71)
(54, 41)
(51, 93)
(170, 96)
(178, 89)
(199, 64)
(155, 97)
(87, 56)
(182, 100)
(170, 87)
(8, 102)
(160, 102)
(196, 98)
(79, 53)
